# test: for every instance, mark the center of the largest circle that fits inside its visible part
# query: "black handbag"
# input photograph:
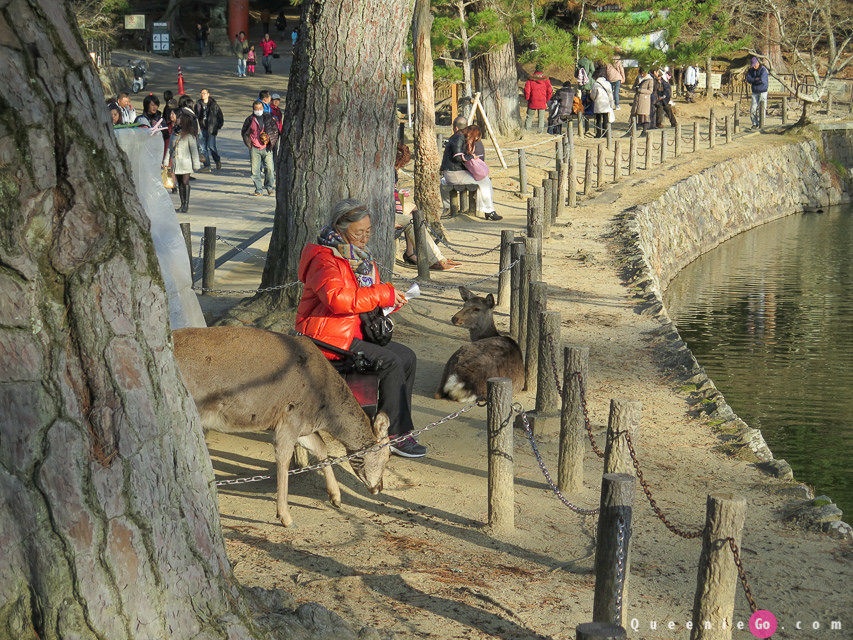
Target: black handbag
(376, 327)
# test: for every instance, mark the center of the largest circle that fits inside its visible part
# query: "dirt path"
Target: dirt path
(417, 559)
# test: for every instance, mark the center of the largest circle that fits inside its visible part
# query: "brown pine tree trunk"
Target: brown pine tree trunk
(109, 526)
(496, 78)
(427, 158)
(339, 134)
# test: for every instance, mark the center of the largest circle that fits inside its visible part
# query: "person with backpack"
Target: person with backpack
(583, 73)
(537, 92)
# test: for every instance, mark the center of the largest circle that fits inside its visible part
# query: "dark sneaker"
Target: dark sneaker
(218, 165)
(409, 448)
(491, 215)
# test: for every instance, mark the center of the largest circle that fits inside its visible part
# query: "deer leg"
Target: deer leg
(315, 444)
(284, 443)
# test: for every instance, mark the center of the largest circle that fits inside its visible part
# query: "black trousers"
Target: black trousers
(664, 108)
(396, 381)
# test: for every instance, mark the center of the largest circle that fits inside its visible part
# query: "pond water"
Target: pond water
(769, 314)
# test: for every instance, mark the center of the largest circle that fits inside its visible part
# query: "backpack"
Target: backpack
(583, 78)
(577, 105)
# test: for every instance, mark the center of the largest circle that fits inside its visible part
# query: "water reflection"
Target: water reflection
(769, 314)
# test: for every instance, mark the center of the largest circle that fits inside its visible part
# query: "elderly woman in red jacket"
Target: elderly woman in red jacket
(341, 281)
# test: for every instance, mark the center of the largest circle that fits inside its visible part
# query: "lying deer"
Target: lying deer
(490, 355)
(245, 379)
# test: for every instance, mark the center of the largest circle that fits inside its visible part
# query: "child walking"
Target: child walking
(250, 60)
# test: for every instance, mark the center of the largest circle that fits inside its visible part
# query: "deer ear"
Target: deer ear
(490, 301)
(464, 293)
(381, 423)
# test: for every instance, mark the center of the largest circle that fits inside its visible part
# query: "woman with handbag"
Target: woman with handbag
(460, 165)
(183, 157)
(341, 284)
(602, 103)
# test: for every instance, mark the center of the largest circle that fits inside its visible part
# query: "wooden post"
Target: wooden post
(533, 217)
(420, 244)
(454, 101)
(454, 202)
(712, 130)
(533, 248)
(562, 186)
(609, 137)
(587, 174)
(528, 262)
(507, 236)
(463, 201)
(613, 536)
(784, 109)
(571, 178)
(501, 465)
(536, 304)
(570, 142)
(736, 117)
(828, 103)
(547, 202)
(572, 425)
(663, 138)
(208, 267)
(554, 177)
(624, 416)
(676, 147)
(632, 153)
(695, 137)
(617, 161)
(600, 631)
(717, 578)
(522, 171)
(539, 200)
(580, 125)
(648, 150)
(728, 133)
(599, 165)
(547, 418)
(188, 240)
(516, 251)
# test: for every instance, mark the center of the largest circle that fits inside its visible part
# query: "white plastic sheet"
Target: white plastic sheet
(145, 152)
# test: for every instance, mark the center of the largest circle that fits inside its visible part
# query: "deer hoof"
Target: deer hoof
(286, 521)
(336, 502)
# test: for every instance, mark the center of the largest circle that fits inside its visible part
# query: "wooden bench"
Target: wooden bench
(463, 198)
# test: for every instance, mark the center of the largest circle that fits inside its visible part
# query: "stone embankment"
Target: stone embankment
(697, 214)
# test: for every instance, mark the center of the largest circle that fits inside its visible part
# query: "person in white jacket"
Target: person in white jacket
(691, 79)
(602, 103)
(182, 154)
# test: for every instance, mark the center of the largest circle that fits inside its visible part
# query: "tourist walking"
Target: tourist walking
(664, 95)
(210, 121)
(251, 58)
(260, 135)
(241, 50)
(182, 156)
(201, 34)
(642, 107)
(537, 92)
(691, 80)
(267, 48)
(602, 103)
(615, 74)
(758, 77)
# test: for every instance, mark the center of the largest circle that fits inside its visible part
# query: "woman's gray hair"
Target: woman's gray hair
(346, 212)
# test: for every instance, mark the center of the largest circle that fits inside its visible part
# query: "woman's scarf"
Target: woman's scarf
(359, 259)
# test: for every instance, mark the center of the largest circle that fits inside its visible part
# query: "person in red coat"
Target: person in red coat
(341, 281)
(537, 92)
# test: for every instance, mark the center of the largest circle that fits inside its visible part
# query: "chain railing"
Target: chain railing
(444, 287)
(742, 574)
(328, 462)
(621, 553)
(588, 426)
(579, 510)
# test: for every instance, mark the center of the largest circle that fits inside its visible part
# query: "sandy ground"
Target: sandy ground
(418, 559)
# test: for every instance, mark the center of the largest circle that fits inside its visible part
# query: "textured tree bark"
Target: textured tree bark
(496, 79)
(427, 158)
(109, 527)
(339, 134)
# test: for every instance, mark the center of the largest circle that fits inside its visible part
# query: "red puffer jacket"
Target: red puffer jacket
(332, 299)
(537, 91)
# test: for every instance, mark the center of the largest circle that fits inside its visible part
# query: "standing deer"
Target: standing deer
(246, 379)
(489, 355)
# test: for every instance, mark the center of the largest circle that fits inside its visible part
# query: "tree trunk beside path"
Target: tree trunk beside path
(109, 525)
(339, 134)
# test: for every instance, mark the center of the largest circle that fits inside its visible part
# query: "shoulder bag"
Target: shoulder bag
(477, 168)
(376, 327)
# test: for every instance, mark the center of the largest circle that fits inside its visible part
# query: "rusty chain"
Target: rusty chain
(579, 510)
(464, 253)
(742, 574)
(595, 448)
(263, 290)
(689, 535)
(328, 462)
(445, 287)
(621, 554)
(554, 364)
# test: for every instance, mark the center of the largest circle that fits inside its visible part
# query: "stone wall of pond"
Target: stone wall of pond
(694, 216)
(704, 210)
